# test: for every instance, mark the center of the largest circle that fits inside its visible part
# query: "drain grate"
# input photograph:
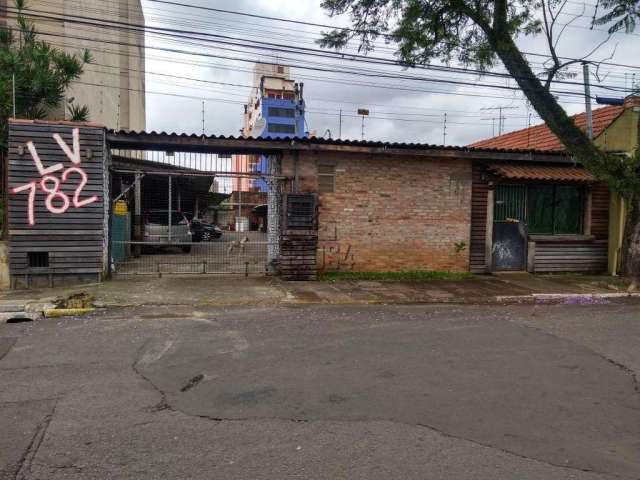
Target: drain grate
(19, 320)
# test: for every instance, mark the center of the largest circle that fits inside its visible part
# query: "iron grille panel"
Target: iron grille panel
(300, 212)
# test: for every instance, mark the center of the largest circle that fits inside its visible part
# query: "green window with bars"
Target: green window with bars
(547, 209)
(555, 209)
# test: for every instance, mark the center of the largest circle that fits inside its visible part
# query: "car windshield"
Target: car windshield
(162, 218)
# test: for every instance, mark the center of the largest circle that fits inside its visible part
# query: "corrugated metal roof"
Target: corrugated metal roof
(524, 172)
(330, 141)
(540, 138)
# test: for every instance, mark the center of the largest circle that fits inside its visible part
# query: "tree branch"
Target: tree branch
(564, 27)
(554, 40)
(548, 33)
(598, 64)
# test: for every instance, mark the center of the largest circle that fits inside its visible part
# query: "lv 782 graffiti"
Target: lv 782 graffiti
(56, 201)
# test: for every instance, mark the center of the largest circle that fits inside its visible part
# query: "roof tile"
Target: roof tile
(541, 138)
(521, 172)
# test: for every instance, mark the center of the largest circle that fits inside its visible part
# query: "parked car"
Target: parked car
(204, 231)
(156, 229)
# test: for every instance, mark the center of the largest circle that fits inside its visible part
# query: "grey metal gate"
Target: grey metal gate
(237, 253)
(189, 215)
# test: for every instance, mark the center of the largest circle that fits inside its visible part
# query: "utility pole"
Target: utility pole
(364, 112)
(202, 117)
(444, 130)
(340, 125)
(587, 99)
(13, 80)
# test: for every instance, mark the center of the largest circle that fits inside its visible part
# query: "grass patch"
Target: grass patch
(410, 276)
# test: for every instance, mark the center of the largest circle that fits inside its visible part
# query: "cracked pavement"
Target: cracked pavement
(370, 392)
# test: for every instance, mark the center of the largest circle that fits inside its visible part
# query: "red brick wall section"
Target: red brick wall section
(391, 213)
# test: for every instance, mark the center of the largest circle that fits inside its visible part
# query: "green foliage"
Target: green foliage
(622, 173)
(411, 276)
(426, 30)
(42, 74)
(620, 15)
(460, 246)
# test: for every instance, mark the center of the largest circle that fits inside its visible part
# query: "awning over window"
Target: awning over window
(526, 172)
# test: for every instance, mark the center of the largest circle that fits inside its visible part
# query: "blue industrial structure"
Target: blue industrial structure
(277, 111)
(283, 118)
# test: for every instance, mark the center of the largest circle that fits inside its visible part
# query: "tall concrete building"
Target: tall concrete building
(276, 109)
(113, 86)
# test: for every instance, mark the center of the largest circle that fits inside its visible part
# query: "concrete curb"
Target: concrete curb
(529, 299)
(45, 309)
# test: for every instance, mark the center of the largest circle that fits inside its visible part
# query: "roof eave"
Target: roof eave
(241, 145)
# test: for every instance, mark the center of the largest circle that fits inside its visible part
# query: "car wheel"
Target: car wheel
(186, 248)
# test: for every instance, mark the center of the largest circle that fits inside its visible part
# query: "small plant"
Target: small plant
(78, 113)
(460, 246)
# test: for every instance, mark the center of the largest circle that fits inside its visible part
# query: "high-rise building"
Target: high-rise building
(113, 86)
(276, 109)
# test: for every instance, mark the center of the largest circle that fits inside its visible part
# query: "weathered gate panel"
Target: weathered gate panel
(299, 241)
(478, 237)
(56, 193)
(509, 249)
(509, 246)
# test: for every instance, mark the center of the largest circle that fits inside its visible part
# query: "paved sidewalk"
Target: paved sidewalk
(260, 291)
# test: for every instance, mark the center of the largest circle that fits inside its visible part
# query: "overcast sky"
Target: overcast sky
(401, 110)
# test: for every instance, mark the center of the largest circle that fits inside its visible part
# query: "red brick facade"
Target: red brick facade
(390, 213)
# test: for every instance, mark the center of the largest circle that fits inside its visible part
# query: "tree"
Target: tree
(41, 72)
(620, 15)
(480, 32)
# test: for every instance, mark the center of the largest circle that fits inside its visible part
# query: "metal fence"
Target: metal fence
(157, 194)
(233, 254)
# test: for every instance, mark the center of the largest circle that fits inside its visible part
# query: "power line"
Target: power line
(299, 22)
(191, 53)
(173, 17)
(183, 34)
(244, 31)
(200, 98)
(319, 69)
(323, 79)
(307, 77)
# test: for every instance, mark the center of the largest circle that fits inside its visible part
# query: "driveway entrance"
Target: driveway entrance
(192, 213)
(243, 253)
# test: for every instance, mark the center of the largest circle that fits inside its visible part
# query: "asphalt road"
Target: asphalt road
(380, 392)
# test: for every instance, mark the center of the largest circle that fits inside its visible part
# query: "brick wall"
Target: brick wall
(390, 213)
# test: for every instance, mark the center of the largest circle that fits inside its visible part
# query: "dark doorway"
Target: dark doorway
(509, 246)
(509, 228)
